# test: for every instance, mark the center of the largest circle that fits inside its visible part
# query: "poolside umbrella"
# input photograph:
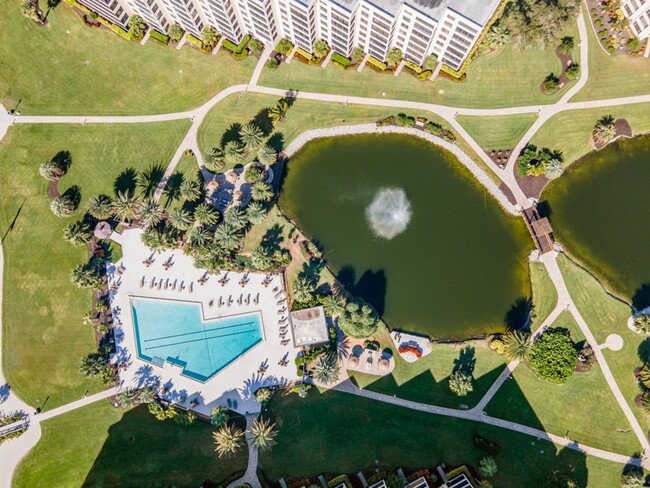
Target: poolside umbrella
(212, 186)
(232, 177)
(383, 364)
(239, 195)
(103, 230)
(354, 361)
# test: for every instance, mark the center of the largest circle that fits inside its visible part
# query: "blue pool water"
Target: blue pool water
(176, 332)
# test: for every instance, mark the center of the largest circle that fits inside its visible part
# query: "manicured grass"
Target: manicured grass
(427, 380)
(613, 76)
(544, 293)
(186, 169)
(304, 115)
(494, 133)
(335, 432)
(570, 131)
(43, 335)
(68, 68)
(100, 445)
(568, 409)
(505, 78)
(606, 315)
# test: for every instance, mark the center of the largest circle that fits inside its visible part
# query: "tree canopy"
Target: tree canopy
(359, 319)
(553, 356)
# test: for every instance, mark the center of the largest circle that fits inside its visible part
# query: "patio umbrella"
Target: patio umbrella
(232, 177)
(354, 361)
(239, 195)
(212, 186)
(383, 364)
(103, 230)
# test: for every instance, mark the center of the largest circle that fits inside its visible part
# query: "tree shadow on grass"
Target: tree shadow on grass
(63, 159)
(126, 181)
(263, 121)
(173, 187)
(74, 194)
(150, 178)
(276, 141)
(273, 238)
(231, 134)
(466, 361)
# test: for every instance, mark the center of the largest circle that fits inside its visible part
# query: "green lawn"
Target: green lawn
(544, 293)
(606, 315)
(304, 115)
(613, 76)
(505, 78)
(186, 169)
(99, 445)
(566, 409)
(426, 380)
(494, 133)
(44, 67)
(335, 432)
(570, 131)
(43, 334)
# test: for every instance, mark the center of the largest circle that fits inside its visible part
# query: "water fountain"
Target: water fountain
(389, 213)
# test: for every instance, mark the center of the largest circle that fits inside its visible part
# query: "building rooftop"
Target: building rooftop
(309, 327)
(478, 11)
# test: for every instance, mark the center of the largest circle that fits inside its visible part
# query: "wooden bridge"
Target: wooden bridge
(539, 228)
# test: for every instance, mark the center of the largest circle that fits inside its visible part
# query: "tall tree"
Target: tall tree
(394, 56)
(206, 214)
(262, 192)
(51, 170)
(263, 433)
(228, 236)
(256, 212)
(100, 207)
(517, 345)
(150, 213)
(605, 129)
(228, 440)
(279, 112)
(236, 216)
(180, 218)
(214, 159)
(233, 152)
(78, 233)
(190, 190)
(251, 135)
(62, 206)
(320, 48)
(125, 206)
(267, 155)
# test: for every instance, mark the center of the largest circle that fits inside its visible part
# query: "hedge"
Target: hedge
(412, 66)
(376, 63)
(425, 75)
(307, 55)
(342, 60)
(194, 40)
(236, 48)
(114, 27)
(158, 37)
(241, 55)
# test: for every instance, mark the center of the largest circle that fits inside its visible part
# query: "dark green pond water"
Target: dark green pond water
(599, 211)
(457, 269)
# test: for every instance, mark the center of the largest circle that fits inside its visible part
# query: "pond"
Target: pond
(406, 227)
(599, 212)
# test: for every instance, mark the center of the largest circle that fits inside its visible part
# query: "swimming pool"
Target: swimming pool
(177, 333)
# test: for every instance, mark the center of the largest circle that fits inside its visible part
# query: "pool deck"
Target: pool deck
(235, 384)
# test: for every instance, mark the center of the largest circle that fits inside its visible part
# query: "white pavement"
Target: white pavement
(250, 476)
(266, 54)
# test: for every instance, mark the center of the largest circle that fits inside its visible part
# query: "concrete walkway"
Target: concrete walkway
(250, 476)
(264, 57)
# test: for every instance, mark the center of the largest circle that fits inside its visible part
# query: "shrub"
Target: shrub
(551, 83)
(460, 383)
(611, 49)
(119, 31)
(498, 346)
(308, 56)
(359, 319)
(413, 67)
(241, 55)
(573, 71)
(255, 46)
(284, 46)
(272, 63)
(425, 75)
(487, 467)
(431, 62)
(194, 40)
(342, 60)
(434, 128)
(236, 48)
(175, 32)
(158, 37)
(404, 120)
(137, 27)
(376, 63)
(553, 356)
(633, 44)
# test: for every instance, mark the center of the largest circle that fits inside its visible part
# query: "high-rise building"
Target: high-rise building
(109, 9)
(446, 28)
(638, 14)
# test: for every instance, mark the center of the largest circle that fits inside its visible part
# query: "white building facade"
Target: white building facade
(638, 13)
(419, 28)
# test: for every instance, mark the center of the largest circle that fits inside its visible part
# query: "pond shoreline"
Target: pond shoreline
(486, 182)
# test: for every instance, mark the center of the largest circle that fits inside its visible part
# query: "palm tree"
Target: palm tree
(147, 395)
(219, 416)
(227, 440)
(632, 480)
(127, 397)
(78, 233)
(261, 192)
(642, 323)
(228, 236)
(644, 377)
(394, 56)
(566, 45)
(209, 36)
(517, 345)
(460, 383)
(214, 159)
(100, 207)
(605, 130)
(125, 206)
(320, 48)
(62, 206)
(31, 11)
(279, 112)
(251, 135)
(206, 214)
(150, 213)
(487, 466)
(326, 369)
(256, 212)
(267, 155)
(263, 432)
(50, 170)
(333, 305)
(496, 37)
(236, 216)
(200, 237)
(263, 395)
(137, 26)
(175, 32)
(233, 152)
(180, 218)
(190, 190)
(302, 289)
(554, 168)
(149, 180)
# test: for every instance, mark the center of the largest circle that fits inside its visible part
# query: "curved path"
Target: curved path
(250, 476)
(21, 445)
